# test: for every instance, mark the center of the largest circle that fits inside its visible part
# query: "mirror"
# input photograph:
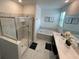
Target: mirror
(69, 23)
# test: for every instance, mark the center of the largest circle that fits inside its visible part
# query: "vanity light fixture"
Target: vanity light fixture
(20, 1)
(66, 1)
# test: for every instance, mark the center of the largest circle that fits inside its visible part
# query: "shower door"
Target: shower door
(22, 28)
(30, 19)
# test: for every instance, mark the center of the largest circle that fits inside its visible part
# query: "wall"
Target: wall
(51, 13)
(29, 10)
(73, 8)
(10, 7)
(37, 21)
(38, 17)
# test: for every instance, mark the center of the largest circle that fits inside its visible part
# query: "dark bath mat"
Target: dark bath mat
(33, 45)
(48, 46)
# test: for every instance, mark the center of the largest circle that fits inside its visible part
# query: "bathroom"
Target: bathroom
(37, 29)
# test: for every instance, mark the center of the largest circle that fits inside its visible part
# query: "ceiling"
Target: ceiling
(51, 4)
(47, 4)
(26, 2)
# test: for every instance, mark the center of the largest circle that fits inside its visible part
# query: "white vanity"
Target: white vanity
(64, 52)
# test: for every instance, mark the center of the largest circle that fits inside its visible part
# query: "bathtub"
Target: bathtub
(45, 34)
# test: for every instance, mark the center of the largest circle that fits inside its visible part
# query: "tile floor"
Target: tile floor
(40, 52)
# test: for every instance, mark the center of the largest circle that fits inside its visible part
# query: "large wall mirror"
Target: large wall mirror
(70, 23)
(69, 19)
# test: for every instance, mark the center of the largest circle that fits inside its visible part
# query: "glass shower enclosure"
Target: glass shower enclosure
(17, 28)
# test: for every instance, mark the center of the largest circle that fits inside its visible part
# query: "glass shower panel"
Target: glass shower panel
(17, 28)
(8, 27)
(30, 30)
(22, 28)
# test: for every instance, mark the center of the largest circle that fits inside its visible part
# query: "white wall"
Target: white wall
(38, 17)
(50, 13)
(10, 7)
(37, 21)
(29, 10)
(73, 8)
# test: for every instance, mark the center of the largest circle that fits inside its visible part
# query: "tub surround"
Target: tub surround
(12, 49)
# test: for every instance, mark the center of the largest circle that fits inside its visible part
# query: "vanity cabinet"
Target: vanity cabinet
(63, 51)
(54, 46)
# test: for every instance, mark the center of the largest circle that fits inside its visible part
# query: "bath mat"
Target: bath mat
(48, 46)
(33, 45)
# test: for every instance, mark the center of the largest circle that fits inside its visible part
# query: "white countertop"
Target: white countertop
(64, 51)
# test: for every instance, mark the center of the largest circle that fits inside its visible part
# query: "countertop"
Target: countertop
(64, 51)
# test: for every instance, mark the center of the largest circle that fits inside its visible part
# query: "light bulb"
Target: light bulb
(66, 1)
(20, 1)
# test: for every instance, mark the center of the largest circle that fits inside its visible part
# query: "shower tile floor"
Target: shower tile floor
(40, 52)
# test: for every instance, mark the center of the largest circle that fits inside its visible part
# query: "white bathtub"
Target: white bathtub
(45, 34)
